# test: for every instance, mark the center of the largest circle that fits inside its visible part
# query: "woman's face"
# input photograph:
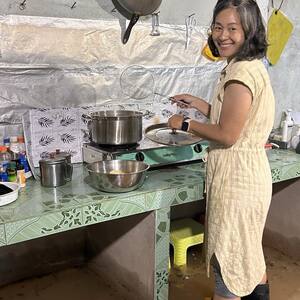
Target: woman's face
(227, 33)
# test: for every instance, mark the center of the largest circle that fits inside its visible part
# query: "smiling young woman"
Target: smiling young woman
(238, 180)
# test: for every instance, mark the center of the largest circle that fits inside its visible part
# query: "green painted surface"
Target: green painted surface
(162, 253)
(285, 164)
(41, 211)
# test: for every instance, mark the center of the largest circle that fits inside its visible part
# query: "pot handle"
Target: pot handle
(68, 171)
(133, 20)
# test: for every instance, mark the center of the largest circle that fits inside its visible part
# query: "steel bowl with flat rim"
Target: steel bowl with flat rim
(117, 176)
(162, 134)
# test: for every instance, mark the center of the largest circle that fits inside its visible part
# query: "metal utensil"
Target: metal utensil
(172, 99)
(190, 23)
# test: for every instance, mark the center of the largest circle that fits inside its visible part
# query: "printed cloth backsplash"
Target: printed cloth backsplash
(66, 129)
(46, 130)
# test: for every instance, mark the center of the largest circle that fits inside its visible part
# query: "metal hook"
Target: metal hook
(22, 5)
(155, 24)
(73, 6)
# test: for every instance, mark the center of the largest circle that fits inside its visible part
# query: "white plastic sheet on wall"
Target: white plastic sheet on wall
(49, 62)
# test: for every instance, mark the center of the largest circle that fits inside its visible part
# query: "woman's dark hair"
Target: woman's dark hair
(255, 45)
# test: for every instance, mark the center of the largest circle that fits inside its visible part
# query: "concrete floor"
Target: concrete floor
(189, 283)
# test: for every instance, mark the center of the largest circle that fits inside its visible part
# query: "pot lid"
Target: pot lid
(52, 161)
(162, 134)
(116, 114)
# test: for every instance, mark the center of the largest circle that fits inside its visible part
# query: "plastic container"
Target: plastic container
(14, 148)
(5, 156)
(12, 172)
(6, 142)
(11, 196)
(23, 161)
(21, 179)
(21, 143)
(3, 174)
(287, 126)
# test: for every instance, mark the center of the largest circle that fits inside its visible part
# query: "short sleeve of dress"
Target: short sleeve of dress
(247, 72)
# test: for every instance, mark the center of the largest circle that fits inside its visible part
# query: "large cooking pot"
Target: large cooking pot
(116, 127)
(133, 9)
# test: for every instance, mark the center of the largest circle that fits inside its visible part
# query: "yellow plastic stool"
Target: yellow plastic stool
(184, 233)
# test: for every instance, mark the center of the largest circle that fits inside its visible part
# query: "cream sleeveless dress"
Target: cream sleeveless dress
(239, 183)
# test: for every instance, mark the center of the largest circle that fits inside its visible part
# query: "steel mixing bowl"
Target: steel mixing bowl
(117, 176)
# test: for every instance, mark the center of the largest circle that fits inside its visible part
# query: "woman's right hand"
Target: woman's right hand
(185, 100)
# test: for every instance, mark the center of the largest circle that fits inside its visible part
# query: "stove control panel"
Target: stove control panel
(167, 155)
(160, 156)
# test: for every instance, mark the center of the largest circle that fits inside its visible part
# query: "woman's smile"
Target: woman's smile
(227, 33)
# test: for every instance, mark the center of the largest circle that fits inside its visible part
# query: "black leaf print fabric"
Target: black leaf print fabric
(66, 121)
(45, 122)
(72, 152)
(46, 140)
(67, 138)
(85, 118)
(44, 154)
(148, 115)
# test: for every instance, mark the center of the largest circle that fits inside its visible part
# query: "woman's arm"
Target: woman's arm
(189, 101)
(235, 109)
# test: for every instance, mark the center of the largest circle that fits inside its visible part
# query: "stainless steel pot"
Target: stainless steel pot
(55, 171)
(133, 9)
(69, 167)
(116, 127)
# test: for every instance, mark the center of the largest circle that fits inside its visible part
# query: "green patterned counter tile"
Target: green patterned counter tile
(162, 253)
(159, 199)
(285, 164)
(45, 225)
(2, 235)
(14, 231)
(35, 201)
(109, 210)
(188, 193)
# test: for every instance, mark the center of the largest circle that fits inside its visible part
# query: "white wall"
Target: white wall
(286, 73)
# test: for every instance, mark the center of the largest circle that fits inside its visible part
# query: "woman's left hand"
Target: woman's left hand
(175, 122)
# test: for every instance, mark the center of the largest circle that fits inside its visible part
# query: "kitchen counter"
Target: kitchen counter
(39, 212)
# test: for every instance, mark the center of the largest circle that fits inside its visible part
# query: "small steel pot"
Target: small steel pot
(69, 167)
(116, 127)
(54, 171)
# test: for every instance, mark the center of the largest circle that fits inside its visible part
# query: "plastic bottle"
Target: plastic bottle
(23, 161)
(3, 175)
(12, 172)
(21, 179)
(5, 157)
(21, 143)
(14, 148)
(284, 131)
(287, 126)
(6, 142)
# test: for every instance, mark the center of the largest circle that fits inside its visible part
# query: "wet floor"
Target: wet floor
(189, 283)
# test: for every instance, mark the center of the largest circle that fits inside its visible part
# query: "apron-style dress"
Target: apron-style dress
(239, 183)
